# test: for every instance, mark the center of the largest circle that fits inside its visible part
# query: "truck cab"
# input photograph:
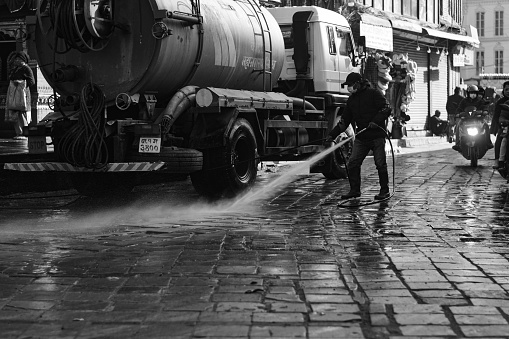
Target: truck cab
(327, 46)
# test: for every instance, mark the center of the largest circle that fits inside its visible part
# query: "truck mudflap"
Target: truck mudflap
(65, 167)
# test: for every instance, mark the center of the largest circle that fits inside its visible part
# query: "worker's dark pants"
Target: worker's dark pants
(360, 150)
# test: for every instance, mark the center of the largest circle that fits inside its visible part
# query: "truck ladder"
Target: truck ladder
(266, 41)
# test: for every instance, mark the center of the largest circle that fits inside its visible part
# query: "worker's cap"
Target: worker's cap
(352, 78)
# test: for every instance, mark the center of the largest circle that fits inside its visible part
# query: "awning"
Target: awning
(452, 36)
(16, 5)
(376, 31)
(406, 26)
(375, 20)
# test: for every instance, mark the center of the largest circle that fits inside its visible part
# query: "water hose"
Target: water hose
(84, 144)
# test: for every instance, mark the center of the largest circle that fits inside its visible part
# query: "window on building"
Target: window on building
(410, 8)
(378, 4)
(397, 7)
(499, 62)
(422, 10)
(388, 5)
(499, 22)
(479, 62)
(479, 23)
(429, 5)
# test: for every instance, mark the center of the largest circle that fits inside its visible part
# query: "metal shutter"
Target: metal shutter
(455, 79)
(438, 83)
(418, 109)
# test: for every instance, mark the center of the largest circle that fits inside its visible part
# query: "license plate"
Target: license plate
(150, 145)
(37, 145)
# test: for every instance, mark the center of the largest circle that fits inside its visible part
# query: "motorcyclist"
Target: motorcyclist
(472, 99)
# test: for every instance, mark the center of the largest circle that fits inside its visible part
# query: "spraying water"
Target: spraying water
(284, 179)
(166, 210)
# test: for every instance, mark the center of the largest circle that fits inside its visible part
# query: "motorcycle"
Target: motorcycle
(472, 134)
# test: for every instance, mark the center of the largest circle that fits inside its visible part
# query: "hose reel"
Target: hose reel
(84, 25)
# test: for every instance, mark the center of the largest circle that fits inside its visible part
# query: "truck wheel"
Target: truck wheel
(231, 169)
(335, 165)
(103, 184)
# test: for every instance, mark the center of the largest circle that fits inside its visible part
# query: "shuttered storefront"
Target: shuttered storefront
(418, 109)
(454, 79)
(438, 83)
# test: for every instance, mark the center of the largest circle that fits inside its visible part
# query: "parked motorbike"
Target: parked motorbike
(472, 134)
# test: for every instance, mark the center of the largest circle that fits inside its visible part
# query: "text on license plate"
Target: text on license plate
(150, 145)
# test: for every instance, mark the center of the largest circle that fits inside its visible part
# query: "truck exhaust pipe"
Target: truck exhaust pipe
(300, 56)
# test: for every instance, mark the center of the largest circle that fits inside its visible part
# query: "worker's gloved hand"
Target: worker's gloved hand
(329, 139)
(372, 125)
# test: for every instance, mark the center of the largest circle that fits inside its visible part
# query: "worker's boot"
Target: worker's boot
(383, 176)
(354, 176)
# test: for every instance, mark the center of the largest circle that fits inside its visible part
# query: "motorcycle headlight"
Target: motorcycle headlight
(473, 131)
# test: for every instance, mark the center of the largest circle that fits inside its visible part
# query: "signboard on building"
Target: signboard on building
(458, 60)
(377, 37)
(469, 57)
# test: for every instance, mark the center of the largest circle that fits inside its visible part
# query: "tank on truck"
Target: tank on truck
(182, 87)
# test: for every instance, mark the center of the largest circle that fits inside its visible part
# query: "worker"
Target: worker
(367, 110)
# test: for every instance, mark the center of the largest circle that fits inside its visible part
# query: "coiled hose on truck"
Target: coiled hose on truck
(84, 145)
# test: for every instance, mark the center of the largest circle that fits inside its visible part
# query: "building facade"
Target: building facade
(490, 67)
(428, 34)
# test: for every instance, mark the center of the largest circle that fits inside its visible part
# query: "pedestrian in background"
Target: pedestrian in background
(504, 128)
(21, 78)
(367, 109)
(451, 107)
(495, 125)
(437, 126)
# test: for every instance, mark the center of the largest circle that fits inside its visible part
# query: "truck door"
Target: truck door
(346, 54)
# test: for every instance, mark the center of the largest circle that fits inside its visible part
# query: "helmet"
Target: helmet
(472, 89)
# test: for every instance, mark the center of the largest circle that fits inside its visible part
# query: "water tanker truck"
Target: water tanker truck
(204, 88)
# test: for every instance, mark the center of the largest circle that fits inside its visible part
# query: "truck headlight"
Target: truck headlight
(473, 131)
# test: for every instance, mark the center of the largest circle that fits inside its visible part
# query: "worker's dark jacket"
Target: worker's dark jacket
(494, 128)
(364, 106)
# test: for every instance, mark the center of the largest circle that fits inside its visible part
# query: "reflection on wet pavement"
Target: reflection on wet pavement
(431, 261)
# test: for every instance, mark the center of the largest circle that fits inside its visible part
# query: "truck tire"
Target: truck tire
(230, 169)
(103, 184)
(335, 167)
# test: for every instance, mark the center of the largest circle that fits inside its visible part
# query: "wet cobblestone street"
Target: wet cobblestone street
(432, 262)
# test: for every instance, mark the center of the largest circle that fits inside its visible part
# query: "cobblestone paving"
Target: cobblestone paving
(430, 263)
